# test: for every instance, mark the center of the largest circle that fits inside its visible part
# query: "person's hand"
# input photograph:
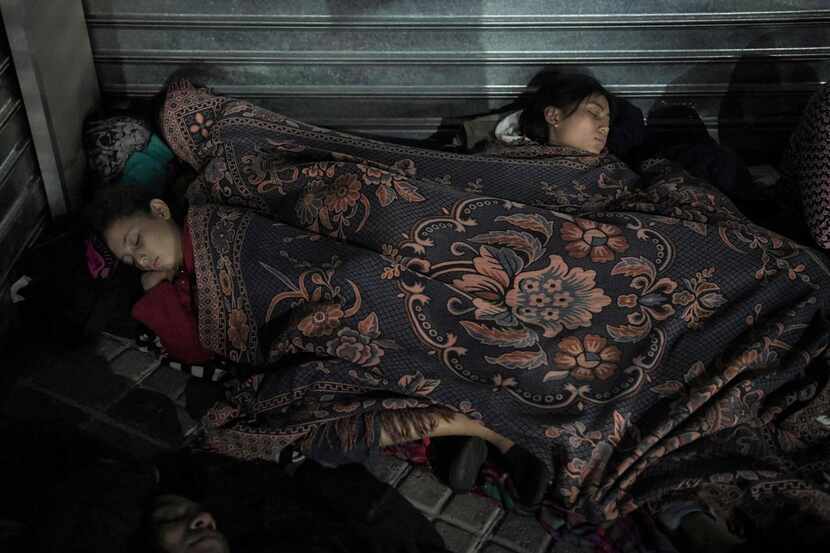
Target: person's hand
(150, 278)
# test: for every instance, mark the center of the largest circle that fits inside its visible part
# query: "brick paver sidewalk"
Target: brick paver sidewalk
(127, 400)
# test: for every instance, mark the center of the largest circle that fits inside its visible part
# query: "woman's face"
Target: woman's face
(151, 242)
(586, 128)
(181, 526)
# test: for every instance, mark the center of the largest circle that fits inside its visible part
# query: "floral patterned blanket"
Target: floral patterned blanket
(635, 332)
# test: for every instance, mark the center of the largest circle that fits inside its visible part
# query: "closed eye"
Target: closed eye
(596, 109)
(170, 519)
(134, 243)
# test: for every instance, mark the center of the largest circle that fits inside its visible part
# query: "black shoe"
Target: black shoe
(457, 460)
(528, 474)
(464, 468)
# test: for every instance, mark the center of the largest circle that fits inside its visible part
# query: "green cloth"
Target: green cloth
(148, 168)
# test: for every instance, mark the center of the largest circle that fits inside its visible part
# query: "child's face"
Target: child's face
(151, 242)
(586, 128)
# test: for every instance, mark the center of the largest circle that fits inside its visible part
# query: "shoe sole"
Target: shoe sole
(466, 466)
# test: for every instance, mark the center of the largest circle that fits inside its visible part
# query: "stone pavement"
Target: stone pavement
(467, 522)
(110, 390)
(127, 400)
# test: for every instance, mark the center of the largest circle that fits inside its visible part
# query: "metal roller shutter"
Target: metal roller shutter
(406, 69)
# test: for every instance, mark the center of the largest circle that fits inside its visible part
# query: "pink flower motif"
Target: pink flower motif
(355, 347)
(573, 304)
(323, 321)
(600, 240)
(344, 194)
(539, 300)
(201, 125)
(588, 358)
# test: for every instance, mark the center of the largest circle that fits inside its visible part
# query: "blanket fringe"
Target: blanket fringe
(410, 424)
(365, 429)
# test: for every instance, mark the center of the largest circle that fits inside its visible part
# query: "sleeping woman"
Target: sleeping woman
(635, 333)
(569, 109)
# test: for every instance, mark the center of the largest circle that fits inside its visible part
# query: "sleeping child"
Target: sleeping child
(140, 231)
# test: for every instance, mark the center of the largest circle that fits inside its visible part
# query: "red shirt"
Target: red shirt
(168, 310)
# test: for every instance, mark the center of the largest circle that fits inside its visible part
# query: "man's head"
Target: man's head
(180, 525)
(137, 228)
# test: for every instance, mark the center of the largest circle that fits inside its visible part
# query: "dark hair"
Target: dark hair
(116, 202)
(562, 90)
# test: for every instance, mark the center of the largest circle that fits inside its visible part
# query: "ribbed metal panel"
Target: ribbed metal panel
(22, 198)
(403, 68)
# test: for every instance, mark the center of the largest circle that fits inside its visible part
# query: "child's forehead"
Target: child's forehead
(122, 226)
(137, 218)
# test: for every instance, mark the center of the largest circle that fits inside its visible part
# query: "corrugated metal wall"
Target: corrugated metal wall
(23, 206)
(404, 67)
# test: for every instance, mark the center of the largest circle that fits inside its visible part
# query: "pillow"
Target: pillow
(508, 131)
(806, 162)
(110, 141)
(501, 128)
(479, 129)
